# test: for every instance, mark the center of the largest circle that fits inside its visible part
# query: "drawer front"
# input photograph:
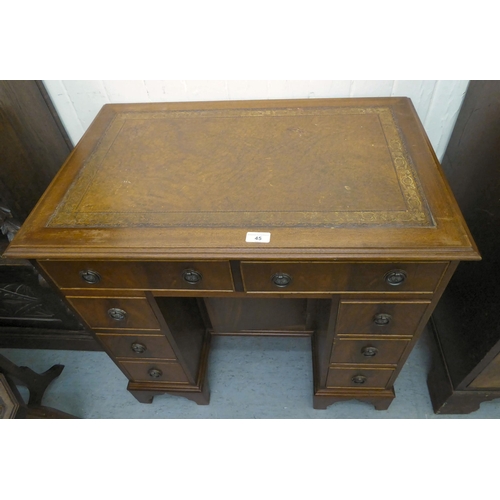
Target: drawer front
(336, 277)
(383, 318)
(203, 275)
(116, 313)
(358, 377)
(137, 346)
(154, 371)
(368, 351)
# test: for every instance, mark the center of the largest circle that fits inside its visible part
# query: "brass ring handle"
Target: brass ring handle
(117, 314)
(281, 279)
(395, 277)
(382, 319)
(138, 348)
(90, 277)
(191, 276)
(369, 351)
(358, 379)
(155, 373)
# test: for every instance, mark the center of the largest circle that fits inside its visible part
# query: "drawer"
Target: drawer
(368, 351)
(123, 345)
(380, 317)
(154, 371)
(358, 377)
(346, 276)
(116, 313)
(167, 275)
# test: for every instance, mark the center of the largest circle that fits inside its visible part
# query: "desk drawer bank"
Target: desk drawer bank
(327, 218)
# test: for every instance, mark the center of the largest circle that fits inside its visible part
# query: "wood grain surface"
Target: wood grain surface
(326, 177)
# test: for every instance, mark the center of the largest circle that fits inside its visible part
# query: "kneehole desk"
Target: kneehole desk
(328, 218)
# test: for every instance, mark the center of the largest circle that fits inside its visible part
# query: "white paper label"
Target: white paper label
(258, 237)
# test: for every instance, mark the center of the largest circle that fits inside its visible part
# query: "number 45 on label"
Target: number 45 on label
(258, 237)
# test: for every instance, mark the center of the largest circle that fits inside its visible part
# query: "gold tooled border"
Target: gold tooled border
(416, 214)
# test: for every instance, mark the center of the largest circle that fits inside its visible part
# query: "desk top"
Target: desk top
(327, 178)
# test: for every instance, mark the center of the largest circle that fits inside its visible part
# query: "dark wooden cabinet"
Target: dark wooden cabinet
(466, 323)
(33, 147)
(327, 218)
(33, 142)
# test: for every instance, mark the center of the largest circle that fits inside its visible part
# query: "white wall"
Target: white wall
(437, 101)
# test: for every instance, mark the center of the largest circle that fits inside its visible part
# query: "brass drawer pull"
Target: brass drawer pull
(395, 277)
(281, 279)
(191, 276)
(155, 373)
(117, 314)
(138, 348)
(358, 379)
(382, 319)
(369, 352)
(90, 277)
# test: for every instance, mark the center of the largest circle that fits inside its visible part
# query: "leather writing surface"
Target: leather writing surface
(225, 168)
(324, 178)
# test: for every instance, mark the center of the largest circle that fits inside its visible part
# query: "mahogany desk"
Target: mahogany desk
(329, 218)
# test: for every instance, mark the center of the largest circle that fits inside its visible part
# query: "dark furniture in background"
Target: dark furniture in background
(33, 145)
(466, 361)
(12, 404)
(33, 142)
